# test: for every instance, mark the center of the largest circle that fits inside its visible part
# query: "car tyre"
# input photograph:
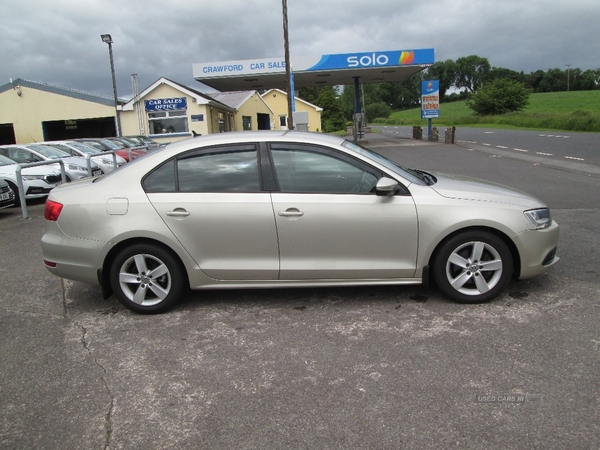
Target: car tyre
(147, 278)
(16, 191)
(473, 267)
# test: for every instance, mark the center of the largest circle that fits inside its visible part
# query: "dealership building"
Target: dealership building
(167, 110)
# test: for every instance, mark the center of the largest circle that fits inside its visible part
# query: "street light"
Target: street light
(107, 39)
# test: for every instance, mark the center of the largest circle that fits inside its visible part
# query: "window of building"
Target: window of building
(168, 122)
(282, 121)
(247, 122)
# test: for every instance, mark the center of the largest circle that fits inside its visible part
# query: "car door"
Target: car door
(330, 222)
(212, 202)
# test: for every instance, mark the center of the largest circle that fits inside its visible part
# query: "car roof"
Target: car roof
(258, 136)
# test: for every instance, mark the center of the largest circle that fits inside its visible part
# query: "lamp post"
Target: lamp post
(106, 38)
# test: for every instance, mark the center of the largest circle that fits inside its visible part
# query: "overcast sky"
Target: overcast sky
(58, 41)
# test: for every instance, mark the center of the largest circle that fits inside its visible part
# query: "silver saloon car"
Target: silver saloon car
(282, 209)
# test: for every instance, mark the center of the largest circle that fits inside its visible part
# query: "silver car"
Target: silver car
(282, 209)
(106, 162)
(75, 166)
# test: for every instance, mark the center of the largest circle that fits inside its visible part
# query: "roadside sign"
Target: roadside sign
(430, 99)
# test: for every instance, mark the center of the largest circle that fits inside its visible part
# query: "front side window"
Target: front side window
(226, 169)
(317, 171)
(165, 122)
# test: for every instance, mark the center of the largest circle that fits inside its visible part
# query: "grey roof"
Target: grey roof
(235, 99)
(59, 90)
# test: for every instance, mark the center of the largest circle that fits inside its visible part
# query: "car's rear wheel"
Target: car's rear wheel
(147, 278)
(473, 267)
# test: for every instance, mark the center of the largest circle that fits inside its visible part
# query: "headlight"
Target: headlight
(539, 218)
(72, 166)
(32, 177)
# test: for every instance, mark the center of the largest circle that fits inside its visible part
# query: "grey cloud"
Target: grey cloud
(59, 42)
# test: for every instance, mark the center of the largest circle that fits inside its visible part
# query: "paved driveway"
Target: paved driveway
(384, 367)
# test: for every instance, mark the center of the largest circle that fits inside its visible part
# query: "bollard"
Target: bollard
(435, 135)
(417, 132)
(449, 135)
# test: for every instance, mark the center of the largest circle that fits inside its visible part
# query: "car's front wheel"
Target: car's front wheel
(147, 278)
(473, 267)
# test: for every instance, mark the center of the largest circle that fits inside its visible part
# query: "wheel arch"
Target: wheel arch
(104, 273)
(516, 259)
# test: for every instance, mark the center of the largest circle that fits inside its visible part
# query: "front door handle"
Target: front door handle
(291, 212)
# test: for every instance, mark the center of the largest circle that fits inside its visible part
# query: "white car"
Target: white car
(7, 195)
(74, 148)
(37, 181)
(75, 167)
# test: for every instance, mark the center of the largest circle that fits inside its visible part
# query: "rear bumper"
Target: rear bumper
(71, 258)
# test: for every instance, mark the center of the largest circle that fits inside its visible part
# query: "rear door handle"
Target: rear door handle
(178, 212)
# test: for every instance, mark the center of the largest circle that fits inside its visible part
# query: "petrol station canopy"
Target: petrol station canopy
(325, 70)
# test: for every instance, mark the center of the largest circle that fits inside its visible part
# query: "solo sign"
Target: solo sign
(165, 104)
(430, 99)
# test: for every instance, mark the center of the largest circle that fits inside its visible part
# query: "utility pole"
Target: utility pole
(568, 76)
(107, 39)
(288, 72)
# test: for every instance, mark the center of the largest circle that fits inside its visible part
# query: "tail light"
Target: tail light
(52, 210)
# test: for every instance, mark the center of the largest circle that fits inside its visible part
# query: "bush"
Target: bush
(378, 110)
(500, 96)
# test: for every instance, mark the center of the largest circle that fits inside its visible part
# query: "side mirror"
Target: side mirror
(386, 187)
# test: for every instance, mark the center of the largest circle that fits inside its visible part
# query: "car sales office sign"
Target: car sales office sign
(165, 104)
(430, 99)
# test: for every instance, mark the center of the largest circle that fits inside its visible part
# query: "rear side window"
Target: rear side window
(223, 169)
(161, 179)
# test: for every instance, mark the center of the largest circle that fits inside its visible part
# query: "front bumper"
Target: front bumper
(537, 250)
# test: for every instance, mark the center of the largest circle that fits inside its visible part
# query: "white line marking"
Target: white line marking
(489, 145)
(544, 154)
(521, 150)
(576, 159)
(501, 146)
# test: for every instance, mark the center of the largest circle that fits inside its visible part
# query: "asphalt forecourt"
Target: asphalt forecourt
(376, 367)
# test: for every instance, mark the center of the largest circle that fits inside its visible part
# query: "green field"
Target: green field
(572, 111)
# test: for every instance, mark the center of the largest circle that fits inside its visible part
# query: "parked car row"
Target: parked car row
(40, 180)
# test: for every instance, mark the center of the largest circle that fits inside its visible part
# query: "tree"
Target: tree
(596, 75)
(554, 80)
(499, 97)
(471, 72)
(332, 117)
(445, 73)
(587, 82)
(508, 74)
(310, 93)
